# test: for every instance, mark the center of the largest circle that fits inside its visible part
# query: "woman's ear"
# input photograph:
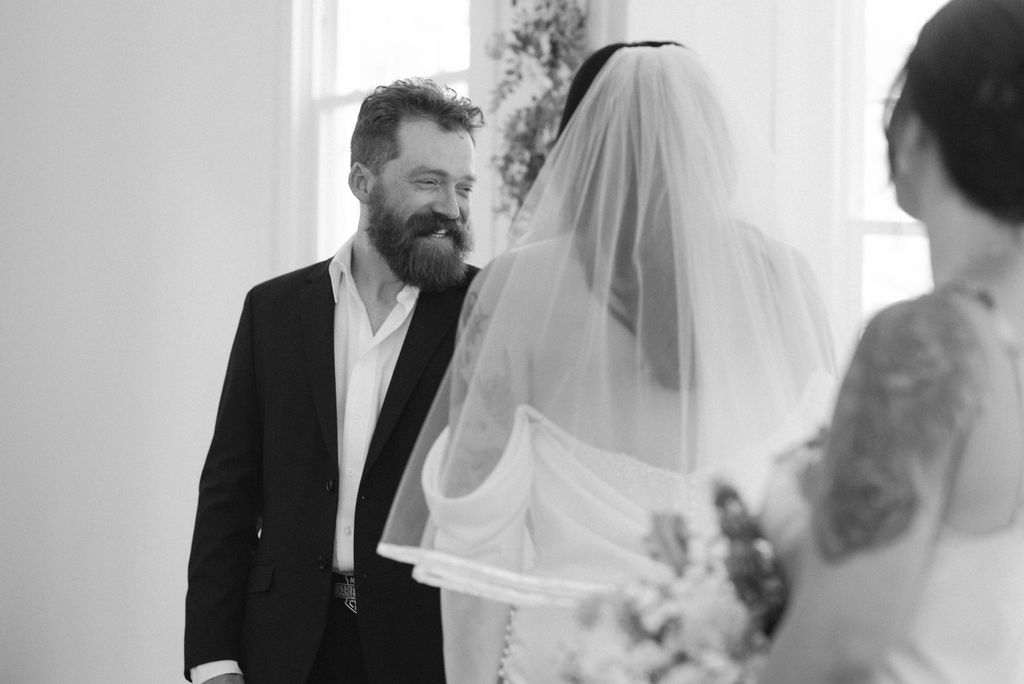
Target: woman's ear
(360, 182)
(909, 141)
(914, 154)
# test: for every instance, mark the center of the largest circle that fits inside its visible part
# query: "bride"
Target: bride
(648, 329)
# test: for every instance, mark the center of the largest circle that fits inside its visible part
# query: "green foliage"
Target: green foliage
(541, 51)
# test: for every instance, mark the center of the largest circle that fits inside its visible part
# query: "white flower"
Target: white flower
(545, 46)
(689, 673)
(690, 628)
(649, 656)
(715, 620)
(517, 170)
(535, 79)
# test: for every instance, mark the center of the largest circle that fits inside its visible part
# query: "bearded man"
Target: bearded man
(331, 374)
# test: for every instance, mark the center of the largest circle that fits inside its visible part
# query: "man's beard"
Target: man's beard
(414, 251)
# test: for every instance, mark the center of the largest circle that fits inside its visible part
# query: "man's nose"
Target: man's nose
(447, 203)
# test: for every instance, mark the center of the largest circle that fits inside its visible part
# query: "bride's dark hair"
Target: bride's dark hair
(628, 256)
(587, 72)
(964, 78)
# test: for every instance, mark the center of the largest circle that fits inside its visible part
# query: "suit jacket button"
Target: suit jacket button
(321, 562)
(329, 485)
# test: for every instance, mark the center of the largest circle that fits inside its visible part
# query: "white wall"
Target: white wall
(736, 39)
(137, 185)
(783, 59)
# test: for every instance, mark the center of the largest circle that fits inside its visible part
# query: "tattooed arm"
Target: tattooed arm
(906, 404)
(483, 385)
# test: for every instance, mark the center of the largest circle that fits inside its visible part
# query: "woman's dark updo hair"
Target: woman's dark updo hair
(625, 303)
(588, 71)
(965, 80)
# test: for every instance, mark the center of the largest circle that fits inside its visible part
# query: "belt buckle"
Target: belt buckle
(345, 588)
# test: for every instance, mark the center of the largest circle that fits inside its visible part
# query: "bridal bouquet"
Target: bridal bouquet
(709, 623)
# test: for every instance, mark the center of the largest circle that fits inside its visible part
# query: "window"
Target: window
(894, 249)
(357, 46)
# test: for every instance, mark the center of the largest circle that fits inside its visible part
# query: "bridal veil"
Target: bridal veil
(649, 306)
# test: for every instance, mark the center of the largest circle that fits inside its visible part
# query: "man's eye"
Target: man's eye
(465, 190)
(427, 183)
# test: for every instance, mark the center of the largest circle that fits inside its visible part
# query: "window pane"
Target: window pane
(382, 40)
(890, 29)
(895, 267)
(338, 209)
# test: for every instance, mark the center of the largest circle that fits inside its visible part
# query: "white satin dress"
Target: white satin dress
(556, 520)
(969, 623)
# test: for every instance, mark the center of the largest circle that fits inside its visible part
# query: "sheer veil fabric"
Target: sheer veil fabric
(650, 307)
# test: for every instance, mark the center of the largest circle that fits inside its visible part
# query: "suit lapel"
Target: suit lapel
(435, 314)
(317, 303)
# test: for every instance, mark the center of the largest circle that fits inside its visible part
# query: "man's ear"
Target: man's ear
(360, 182)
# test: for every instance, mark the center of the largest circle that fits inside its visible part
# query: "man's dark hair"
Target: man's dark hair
(375, 138)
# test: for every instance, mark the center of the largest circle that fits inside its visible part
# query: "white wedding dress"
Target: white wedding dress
(967, 625)
(554, 508)
(969, 622)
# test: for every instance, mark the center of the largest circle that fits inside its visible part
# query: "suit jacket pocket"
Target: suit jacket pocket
(260, 578)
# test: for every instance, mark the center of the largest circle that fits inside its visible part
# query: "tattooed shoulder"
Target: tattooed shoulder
(912, 389)
(474, 323)
(483, 406)
(483, 364)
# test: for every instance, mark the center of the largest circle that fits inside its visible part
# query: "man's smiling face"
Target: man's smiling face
(419, 205)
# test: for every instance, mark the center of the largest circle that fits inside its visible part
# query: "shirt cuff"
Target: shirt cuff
(201, 673)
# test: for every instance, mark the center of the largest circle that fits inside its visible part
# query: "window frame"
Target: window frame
(858, 222)
(329, 233)
(306, 59)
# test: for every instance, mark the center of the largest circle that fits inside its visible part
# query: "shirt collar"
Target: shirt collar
(340, 270)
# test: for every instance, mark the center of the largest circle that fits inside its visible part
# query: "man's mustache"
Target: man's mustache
(428, 224)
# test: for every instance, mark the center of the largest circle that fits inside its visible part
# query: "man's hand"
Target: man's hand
(226, 679)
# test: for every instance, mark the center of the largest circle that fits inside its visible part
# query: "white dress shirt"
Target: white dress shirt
(363, 365)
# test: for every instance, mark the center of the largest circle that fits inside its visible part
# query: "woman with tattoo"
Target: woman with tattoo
(914, 566)
(641, 334)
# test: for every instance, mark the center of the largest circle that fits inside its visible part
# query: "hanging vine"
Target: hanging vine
(539, 54)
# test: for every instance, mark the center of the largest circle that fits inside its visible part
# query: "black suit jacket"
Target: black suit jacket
(260, 567)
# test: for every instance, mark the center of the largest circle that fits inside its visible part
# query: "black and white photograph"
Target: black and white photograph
(512, 341)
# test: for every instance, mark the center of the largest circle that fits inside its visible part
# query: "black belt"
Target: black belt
(343, 588)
